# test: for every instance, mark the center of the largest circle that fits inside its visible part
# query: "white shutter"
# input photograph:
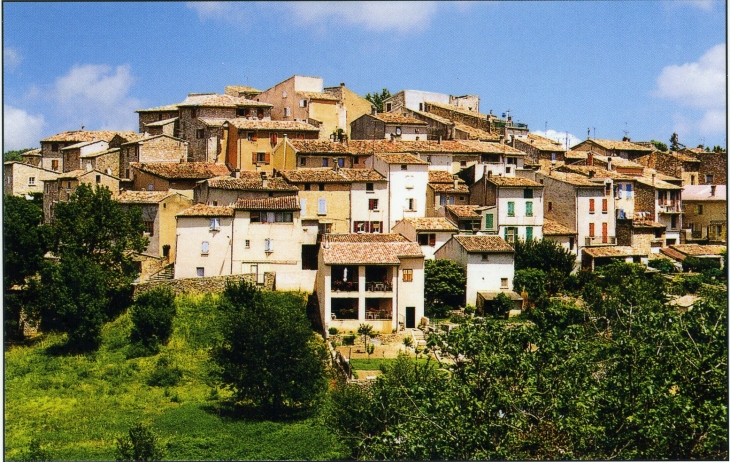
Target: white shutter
(322, 207)
(204, 247)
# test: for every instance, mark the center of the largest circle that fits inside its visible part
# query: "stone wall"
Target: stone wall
(715, 164)
(459, 116)
(212, 284)
(645, 199)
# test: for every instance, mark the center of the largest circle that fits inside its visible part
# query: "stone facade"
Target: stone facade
(712, 164)
(161, 148)
(21, 179)
(107, 162)
(206, 285)
(152, 116)
(205, 148)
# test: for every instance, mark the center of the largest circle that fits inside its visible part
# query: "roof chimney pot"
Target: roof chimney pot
(712, 190)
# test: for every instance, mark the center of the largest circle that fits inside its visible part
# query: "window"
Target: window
(204, 248)
(255, 217)
(629, 192)
(149, 228)
(604, 206)
(505, 283)
(485, 257)
(462, 164)
(550, 206)
(591, 206)
(511, 161)
(356, 159)
(528, 208)
(54, 147)
(409, 181)
(528, 233)
(283, 217)
(619, 191)
(388, 107)
(404, 167)
(410, 204)
(427, 239)
(341, 162)
(193, 113)
(607, 190)
(398, 131)
(200, 272)
(283, 94)
(215, 203)
(322, 207)
(215, 224)
(261, 158)
(200, 133)
(260, 113)
(528, 194)
(302, 103)
(510, 209)
(700, 209)
(591, 229)
(98, 178)
(325, 162)
(302, 162)
(407, 275)
(489, 221)
(166, 250)
(31, 180)
(510, 234)
(287, 112)
(250, 136)
(273, 139)
(54, 164)
(369, 187)
(372, 204)
(709, 178)
(247, 243)
(268, 245)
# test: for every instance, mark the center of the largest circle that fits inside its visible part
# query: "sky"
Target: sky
(643, 69)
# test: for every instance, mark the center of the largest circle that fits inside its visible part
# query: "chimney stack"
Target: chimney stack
(439, 139)
(608, 164)
(589, 160)
(456, 182)
(653, 178)
(712, 190)
(591, 173)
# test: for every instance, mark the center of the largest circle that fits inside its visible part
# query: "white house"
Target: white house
(368, 200)
(375, 279)
(204, 238)
(489, 262)
(430, 233)
(407, 176)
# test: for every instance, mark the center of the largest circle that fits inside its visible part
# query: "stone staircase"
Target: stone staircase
(419, 340)
(168, 272)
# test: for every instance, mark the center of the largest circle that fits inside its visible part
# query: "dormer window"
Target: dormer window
(398, 131)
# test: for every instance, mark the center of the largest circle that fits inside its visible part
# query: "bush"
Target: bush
(164, 375)
(501, 305)
(140, 444)
(699, 265)
(333, 331)
(35, 452)
(349, 339)
(663, 265)
(152, 316)
(445, 287)
(530, 280)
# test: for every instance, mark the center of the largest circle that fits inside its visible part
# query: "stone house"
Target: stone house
(23, 179)
(103, 161)
(705, 213)
(514, 206)
(51, 147)
(713, 167)
(437, 127)
(612, 148)
(407, 177)
(374, 279)
(65, 184)
(430, 233)
(539, 148)
(248, 142)
(644, 235)
(489, 263)
(444, 189)
(679, 252)
(32, 157)
(468, 218)
(494, 126)
(159, 120)
(226, 190)
(416, 100)
(676, 164)
(593, 257)
(158, 210)
(164, 176)
(498, 158)
(388, 125)
(554, 231)
(155, 148)
(72, 154)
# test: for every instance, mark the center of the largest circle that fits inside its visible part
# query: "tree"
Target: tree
(674, 143)
(546, 255)
(444, 288)
(659, 145)
(378, 98)
(140, 444)
(269, 356)
(152, 315)
(532, 281)
(366, 330)
(15, 155)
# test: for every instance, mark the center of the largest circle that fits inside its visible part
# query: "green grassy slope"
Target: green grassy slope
(78, 405)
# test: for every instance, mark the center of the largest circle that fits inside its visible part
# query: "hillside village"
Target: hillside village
(309, 188)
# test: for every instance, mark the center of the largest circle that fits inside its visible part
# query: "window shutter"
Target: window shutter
(322, 207)
(204, 247)
(528, 209)
(605, 205)
(591, 229)
(432, 239)
(591, 205)
(303, 205)
(253, 158)
(528, 233)
(489, 221)
(267, 158)
(510, 208)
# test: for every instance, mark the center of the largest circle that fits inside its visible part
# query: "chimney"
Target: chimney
(589, 160)
(439, 139)
(653, 178)
(392, 138)
(456, 182)
(608, 165)
(373, 111)
(591, 173)
(712, 190)
(342, 84)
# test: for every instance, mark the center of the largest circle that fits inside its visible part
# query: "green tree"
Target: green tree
(444, 288)
(674, 143)
(532, 281)
(152, 315)
(269, 356)
(659, 145)
(378, 98)
(141, 443)
(546, 255)
(36, 452)
(15, 155)
(663, 265)
(366, 330)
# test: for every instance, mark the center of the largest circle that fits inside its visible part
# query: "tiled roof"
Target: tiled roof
(435, 117)
(509, 181)
(476, 133)
(441, 176)
(182, 170)
(395, 118)
(703, 192)
(618, 161)
(249, 183)
(458, 110)
(542, 143)
(242, 89)
(202, 210)
(318, 95)
(326, 147)
(598, 172)
(362, 174)
(431, 224)
(100, 153)
(553, 228)
(366, 147)
(619, 145)
(141, 197)
(647, 224)
(614, 251)
(313, 175)
(657, 183)
(671, 253)
(400, 159)
(168, 108)
(683, 157)
(217, 100)
(161, 123)
(283, 125)
(481, 243)
(570, 154)
(79, 145)
(148, 138)
(464, 211)
(213, 121)
(386, 249)
(269, 203)
(32, 152)
(81, 135)
(493, 148)
(443, 187)
(698, 250)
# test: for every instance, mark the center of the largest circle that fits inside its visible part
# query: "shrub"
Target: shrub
(152, 316)
(663, 265)
(699, 265)
(164, 375)
(349, 339)
(35, 452)
(501, 305)
(445, 287)
(333, 331)
(140, 444)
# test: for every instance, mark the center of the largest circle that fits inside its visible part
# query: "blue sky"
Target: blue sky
(648, 67)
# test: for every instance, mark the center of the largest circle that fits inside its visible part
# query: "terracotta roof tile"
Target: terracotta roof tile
(576, 179)
(683, 157)
(435, 117)
(619, 145)
(464, 211)
(313, 175)
(366, 237)
(100, 153)
(553, 228)
(366, 147)
(283, 125)
(161, 123)
(671, 253)
(269, 203)
(396, 118)
(481, 243)
(401, 159)
(492, 148)
(318, 95)
(442, 187)
(32, 152)
(441, 176)
(362, 174)
(431, 224)
(614, 251)
(542, 143)
(217, 100)
(81, 135)
(249, 183)
(182, 170)
(202, 210)
(141, 197)
(698, 250)
(476, 133)
(570, 154)
(597, 172)
(509, 181)
(459, 110)
(168, 108)
(213, 121)
(385, 249)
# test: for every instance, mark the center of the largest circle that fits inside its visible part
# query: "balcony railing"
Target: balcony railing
(600, 240)
(670, 207)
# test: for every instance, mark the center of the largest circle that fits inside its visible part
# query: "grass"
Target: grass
(374, 364)
(77, 405)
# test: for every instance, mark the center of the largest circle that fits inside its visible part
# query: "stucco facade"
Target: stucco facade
(408, 179)
(21, 179)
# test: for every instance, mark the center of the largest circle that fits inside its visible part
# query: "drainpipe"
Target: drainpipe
(232, 221)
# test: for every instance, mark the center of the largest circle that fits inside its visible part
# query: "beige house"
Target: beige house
(705, 213)
(22, 179)
(444, 189)
(61, 189)
(205, 236)
(554, 231)
(430, 233)
(163, 176)
(374, 279)
(158, 148)
(388, 125)
(408, 179)
(613, 148)
(226, 190)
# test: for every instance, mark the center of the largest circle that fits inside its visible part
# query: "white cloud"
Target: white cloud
(376, 16)
(704, 5)
(11, 58)
(559, 136)
(97, 96)
(20, 129)
(227, 11)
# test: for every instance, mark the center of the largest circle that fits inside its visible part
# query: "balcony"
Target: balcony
(600, 240)
(669, 206)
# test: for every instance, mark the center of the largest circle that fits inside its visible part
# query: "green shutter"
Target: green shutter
(528, 233)
(489, 221)
(528, 208)
(511, 209)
